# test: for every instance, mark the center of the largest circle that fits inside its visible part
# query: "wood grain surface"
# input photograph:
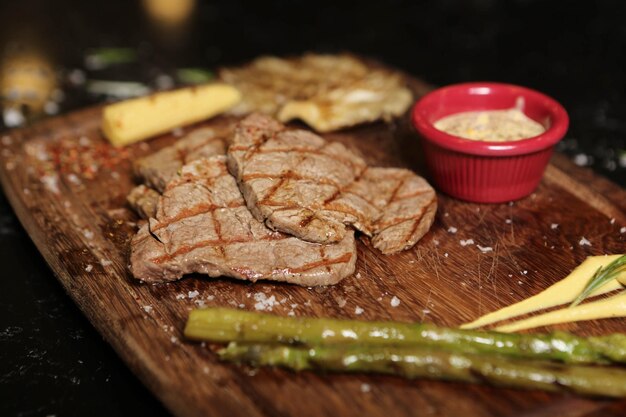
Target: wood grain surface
(68, 188)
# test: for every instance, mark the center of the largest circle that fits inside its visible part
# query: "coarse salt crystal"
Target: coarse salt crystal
(73, 178)
(89, 268)
(51, 182)
(358, 310)
(581, 159)
(193, 294)
(446, 254)
(105, 262)
(395, 301)
(180, 296)
(484, 249)
(554, 226)
(147, 309)
(13, 117)
(508, 221)
(210, 297)
(263, 302)
(612, 221)
(466, 242)
(173, 339)
(365, 388)
(88, 234)
(341, 302)
(622, 230)
(452, 229)
(584, 242)
(358, 275)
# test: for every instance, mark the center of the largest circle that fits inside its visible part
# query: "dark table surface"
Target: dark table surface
(52, 361)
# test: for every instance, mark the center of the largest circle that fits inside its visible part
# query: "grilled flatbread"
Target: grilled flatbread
(327, 92)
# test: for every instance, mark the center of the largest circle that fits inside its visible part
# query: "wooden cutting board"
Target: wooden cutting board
(68, 187)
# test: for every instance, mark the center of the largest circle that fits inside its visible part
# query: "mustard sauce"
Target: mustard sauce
(490, 125)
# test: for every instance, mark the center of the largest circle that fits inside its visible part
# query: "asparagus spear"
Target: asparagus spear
(226, 325)
(428, 363)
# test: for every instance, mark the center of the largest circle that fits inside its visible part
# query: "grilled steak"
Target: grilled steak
(406, 203)
(157, 169)
(298, 183)
(143, 200)
(202, 225)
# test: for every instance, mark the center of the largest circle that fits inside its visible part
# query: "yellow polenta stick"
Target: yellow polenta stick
(611, 307)
(564, 291)
(133, 120)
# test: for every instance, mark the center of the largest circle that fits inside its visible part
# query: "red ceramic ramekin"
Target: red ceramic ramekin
(481, 171)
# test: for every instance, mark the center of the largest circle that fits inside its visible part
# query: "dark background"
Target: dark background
(52, 362)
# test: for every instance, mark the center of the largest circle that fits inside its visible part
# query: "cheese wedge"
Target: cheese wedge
(564, 291)
(133, 120)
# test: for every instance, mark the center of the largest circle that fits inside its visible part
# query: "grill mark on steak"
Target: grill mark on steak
(306, 151)
(273, 190)
(323, 256)
(289, 175)
(324, 262)
(194, 211)
(406, 197)
(183, 250)
(401, 183)
(305, 187)
(213, 232)
(285, 179)
(416, 223)
(218, 232)
(158, 168)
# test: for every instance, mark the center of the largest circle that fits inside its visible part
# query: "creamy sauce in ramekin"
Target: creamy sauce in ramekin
(490, 125)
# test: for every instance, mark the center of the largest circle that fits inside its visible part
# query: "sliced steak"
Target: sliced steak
(288, 177)
(203, 225)
(406, 202)
(157, 169)
(143, 200)
(298, 183)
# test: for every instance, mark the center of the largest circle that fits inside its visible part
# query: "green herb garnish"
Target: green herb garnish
(100, 58)
(601, 277)
(194, 75)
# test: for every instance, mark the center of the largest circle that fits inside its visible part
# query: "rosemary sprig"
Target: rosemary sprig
(601, 277)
